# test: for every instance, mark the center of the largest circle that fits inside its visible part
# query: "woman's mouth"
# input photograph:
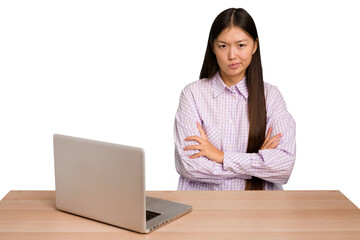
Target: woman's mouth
(234, 65)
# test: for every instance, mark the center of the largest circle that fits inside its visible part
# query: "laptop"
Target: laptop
(106, 182)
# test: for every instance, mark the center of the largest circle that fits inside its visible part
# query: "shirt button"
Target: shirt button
(231, 121)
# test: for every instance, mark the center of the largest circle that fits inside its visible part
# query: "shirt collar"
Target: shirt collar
(219, 86)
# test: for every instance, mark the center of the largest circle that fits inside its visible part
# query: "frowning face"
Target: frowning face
(233, 49)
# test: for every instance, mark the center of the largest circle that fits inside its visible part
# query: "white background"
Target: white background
(113, 71)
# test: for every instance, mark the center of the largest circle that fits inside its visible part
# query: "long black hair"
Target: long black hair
(254, 79)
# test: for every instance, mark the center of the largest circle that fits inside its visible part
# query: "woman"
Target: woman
(232, 130)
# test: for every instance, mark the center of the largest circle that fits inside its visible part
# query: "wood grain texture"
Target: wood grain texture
(215, 215)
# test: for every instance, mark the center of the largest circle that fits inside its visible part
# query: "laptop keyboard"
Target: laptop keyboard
(150, 215)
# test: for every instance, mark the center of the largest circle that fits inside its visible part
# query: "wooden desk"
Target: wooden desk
(216, 215)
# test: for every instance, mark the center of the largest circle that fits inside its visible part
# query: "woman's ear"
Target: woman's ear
(256, 42)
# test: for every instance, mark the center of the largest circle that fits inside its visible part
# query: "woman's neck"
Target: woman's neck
(231, 80)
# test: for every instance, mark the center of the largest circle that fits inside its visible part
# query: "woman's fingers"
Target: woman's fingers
(193, 147)
(199, 154)
(274, 138)
(271, 143)
(205, 148)
(194, 138)
(197, 138)
(265, 144)
(274, 144)
(201, 130)
(268, 134)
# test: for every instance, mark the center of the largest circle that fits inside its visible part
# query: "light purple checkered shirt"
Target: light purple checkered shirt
(223, 114)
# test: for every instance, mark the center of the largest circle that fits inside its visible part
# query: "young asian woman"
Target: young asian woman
(233, 131)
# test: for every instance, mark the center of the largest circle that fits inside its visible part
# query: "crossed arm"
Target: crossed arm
(199, 160)
(207, 150)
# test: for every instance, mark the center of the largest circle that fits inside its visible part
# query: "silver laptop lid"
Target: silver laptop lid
(102, 181)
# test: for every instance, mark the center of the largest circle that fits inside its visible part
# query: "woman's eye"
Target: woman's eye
(241, 45)
(222, 46)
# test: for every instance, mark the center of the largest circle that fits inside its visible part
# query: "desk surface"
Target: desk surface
(216, 215)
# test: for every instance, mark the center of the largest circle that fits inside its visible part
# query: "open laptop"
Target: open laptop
(106, 182)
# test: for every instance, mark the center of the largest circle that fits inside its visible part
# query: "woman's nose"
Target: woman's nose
(231, 53)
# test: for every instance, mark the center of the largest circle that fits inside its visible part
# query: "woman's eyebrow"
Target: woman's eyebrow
(242, 40)
(219, 41)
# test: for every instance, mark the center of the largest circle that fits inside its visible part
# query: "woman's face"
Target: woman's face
(233, 49)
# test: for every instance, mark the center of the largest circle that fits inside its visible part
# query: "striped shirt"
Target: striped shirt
(222, 112)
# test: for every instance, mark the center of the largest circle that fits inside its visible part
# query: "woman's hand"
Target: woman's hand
(205, 147)
(271, 143)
